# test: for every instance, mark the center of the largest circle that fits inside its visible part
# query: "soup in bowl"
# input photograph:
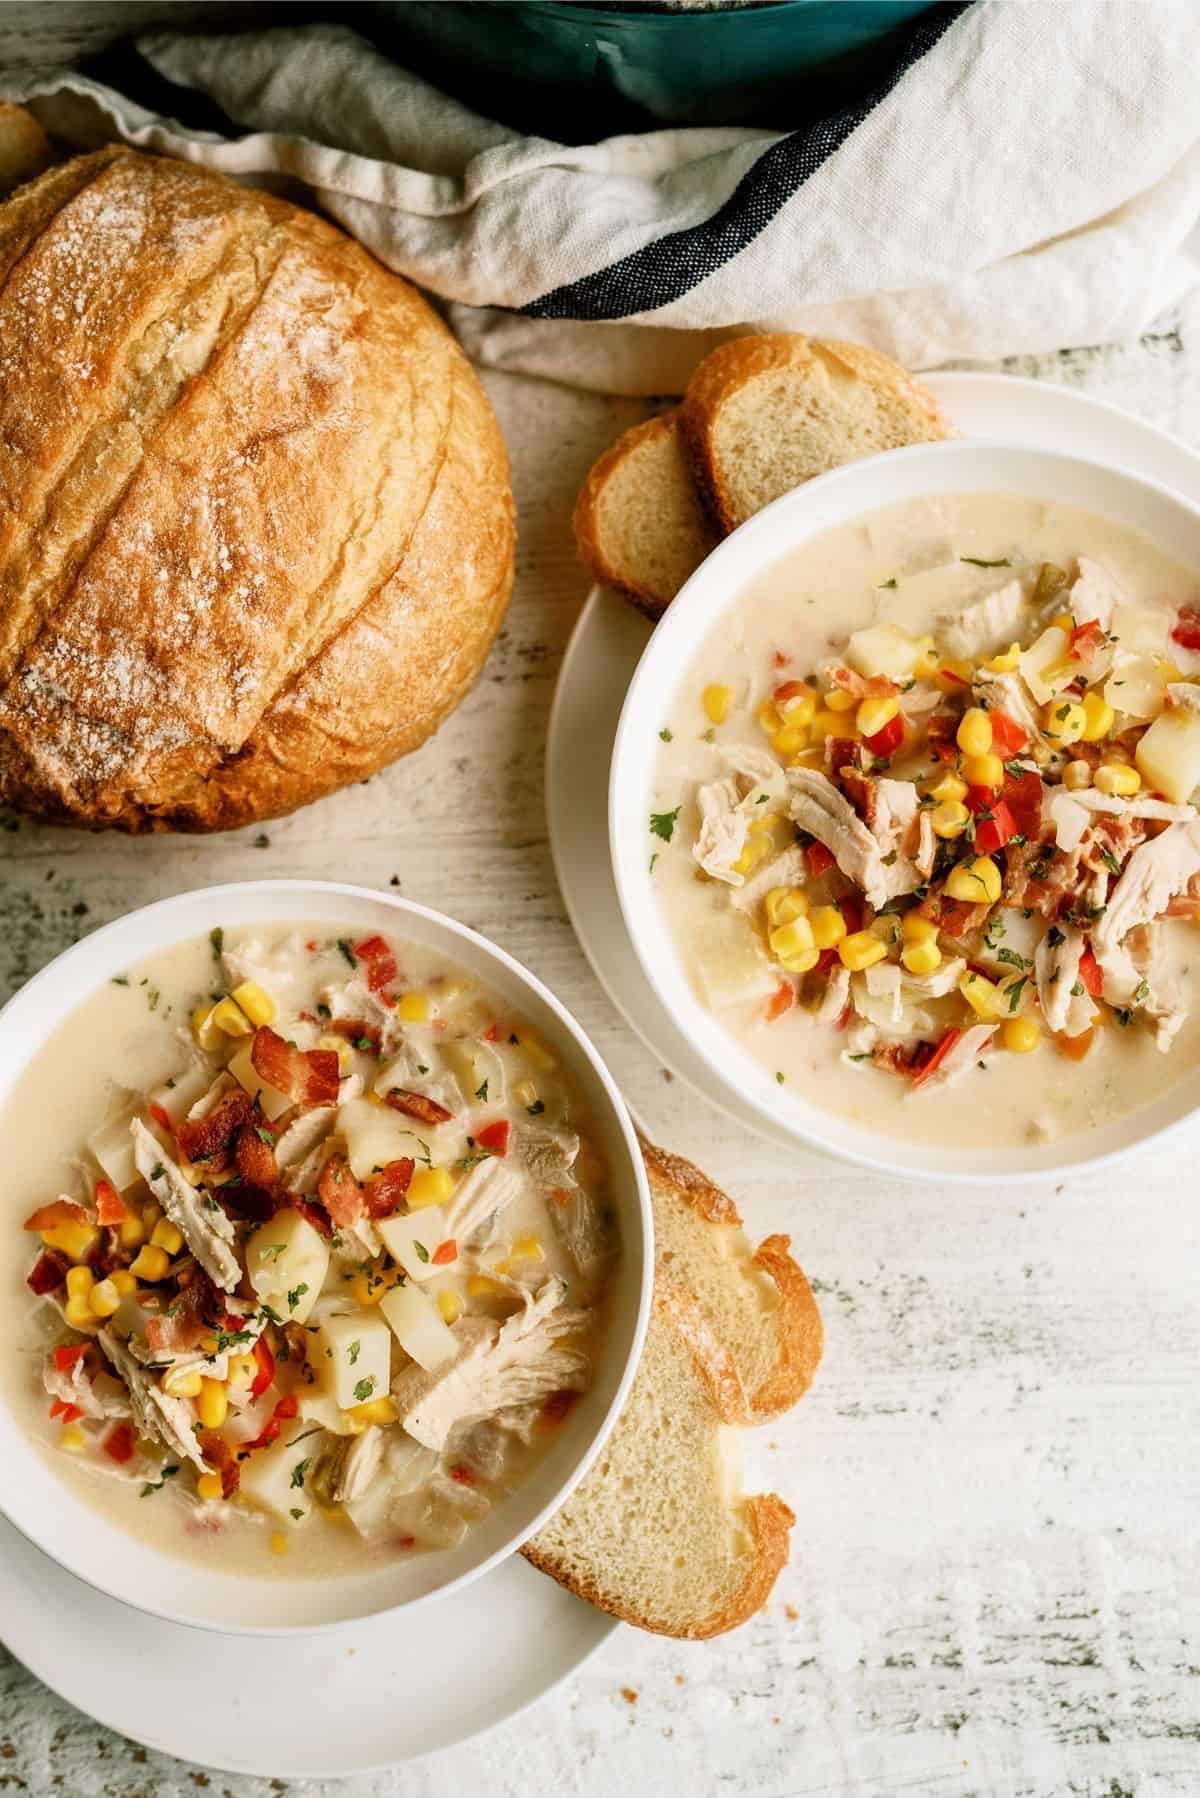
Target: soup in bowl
(324, 1255)
(903, 813)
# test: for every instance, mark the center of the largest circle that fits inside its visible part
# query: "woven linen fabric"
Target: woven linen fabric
(1026, 177)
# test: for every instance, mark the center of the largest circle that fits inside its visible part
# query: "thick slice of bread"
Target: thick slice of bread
(660, 1533)
(24, 147)
(763, 414)
(639, 524)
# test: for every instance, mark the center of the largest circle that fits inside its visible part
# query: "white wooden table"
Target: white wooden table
(995, 1583)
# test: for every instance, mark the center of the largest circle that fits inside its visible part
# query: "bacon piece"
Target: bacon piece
(47, 1273)
(308, 1077)
(359, 1032)
(188, 1319)
(255, 1155)
(313, 1215)
(221, 1458)
(340, 1192)
(862, 685)
(379, 960)
(416, 1105)
(257, 1204)
(1022, 794)
(957, 917)
(1186, 630)
(841, 752)
(110, 1206)
(383, 1194)
(203, 1139)
(59, 1211)
(118, 1445)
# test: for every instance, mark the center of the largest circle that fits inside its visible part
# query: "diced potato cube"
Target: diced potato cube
(113, 1149)
(1136, 687)
(287, 1261)
(1140, 630)
(477, 1068)
(352, 1354)
(278, 1479)
(413, 1239)
(375, 1135)
(882, 649)
(728, 963)
(177, 1096)
(1044, 665)
(419, 1326)
(273, 1102)
(1168, 756)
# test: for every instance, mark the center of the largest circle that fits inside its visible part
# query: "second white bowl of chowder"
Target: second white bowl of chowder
(904, 811)
(324, 1255)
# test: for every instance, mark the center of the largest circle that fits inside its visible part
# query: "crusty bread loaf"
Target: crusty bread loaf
(255, 527)
(660, 1532)
(639, 523)
(24, 147)
(763, 414)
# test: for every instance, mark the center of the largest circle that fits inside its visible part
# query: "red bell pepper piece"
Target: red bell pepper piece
(781, 1000)
(1076, 1047)
(47, 1274)
(889, 739)
(380, 962)
(445, 1253)
(67, 1413)
(1187, 628)
(287, 1407)
(1007, 736)
(111, 1208)
(494, 1137)
(158, 1113)
(1023, 797)
(265, 1363)
(1089, 973)
(939, 1055)
(67, 1354)
(818, 859)
(995, 828)
(119, 1443)
(1085, 640)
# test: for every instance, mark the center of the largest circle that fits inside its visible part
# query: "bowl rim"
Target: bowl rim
(675, 636)
(79, 954)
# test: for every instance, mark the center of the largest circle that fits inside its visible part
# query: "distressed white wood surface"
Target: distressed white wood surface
(995, 1583)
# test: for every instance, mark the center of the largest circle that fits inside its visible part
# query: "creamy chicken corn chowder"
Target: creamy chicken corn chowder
(925, 817)
(319, 1261)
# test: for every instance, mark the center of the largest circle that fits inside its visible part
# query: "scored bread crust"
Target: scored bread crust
(731, 366)
(222, 431)
(798, 1329)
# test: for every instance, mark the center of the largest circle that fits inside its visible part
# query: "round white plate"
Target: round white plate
(610, 636)
(391, 1689)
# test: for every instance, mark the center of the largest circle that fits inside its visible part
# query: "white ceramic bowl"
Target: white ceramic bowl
(974, 466)
(51, 1512)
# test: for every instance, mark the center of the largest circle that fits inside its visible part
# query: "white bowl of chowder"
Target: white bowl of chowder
(326, 1256)
(905, 817)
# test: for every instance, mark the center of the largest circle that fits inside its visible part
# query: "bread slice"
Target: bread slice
(761, 1334)
(660, 1533)
(639, 524)
(763, 414)
(655, 1534)
(24, 147)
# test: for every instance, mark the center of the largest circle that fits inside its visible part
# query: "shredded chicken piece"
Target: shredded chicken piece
(788, 869)
(96, 1395)
(826, 814)
(207, 1232)
(989, 624)
(354, 1463)
(1093, 595)
(486, 1189)
(837, 996)
(1153, 875)
(1056, 970)
(157, 1415)
(728, 807)
(1071, 812)
(1008, 693)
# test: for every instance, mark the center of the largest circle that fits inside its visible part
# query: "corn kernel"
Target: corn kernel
(984, 998)
(368, 1288)
(104, 1298)
(1020, 1035)
(831, 724)
(124, 1281)
(716, 701)
(949, 819)
(151, 1264)
(873, 714)
(977, 882)
(1170, 671)
(1064, 721)
(241, 1374)
(536, 1050)
(917, 929)
(525, 1093)
(795, 938)
(73, 1439)
(840, 701)
(1007, 662)
(131, 1233)
(429, 1186)
(255, 1001)
(212, 1404)
(790, 739)
(80, 1281)
(76, 1241)
(166, 1235)
(784, 904)
(376, 1410)
(828, 926)
(182, 1382)
(1118, 780)
(78, 1312)
(861, 950)
(413, 1008)
(769, 717)
(921, 958)
(204, 1030)
(974, 734)
(151, 1212)
(949, 787)
(528, 1248)
(757, 848)
(1076, 776)
(1099, 717)
(209, 1486)
(450, 1306)
(230, 1019)
(929, 656)
(480, 1287)
(798, 707)
(279, 1543)
(983, 771)
(1064, 622)
(802, 963)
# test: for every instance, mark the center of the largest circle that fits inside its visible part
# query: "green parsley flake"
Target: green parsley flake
(663, 823)
(364, 1389)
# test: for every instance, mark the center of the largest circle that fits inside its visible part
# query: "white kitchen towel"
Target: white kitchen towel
(1026, 178)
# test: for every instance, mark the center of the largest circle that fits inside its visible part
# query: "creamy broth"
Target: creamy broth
(450, 1213)
(965, 574)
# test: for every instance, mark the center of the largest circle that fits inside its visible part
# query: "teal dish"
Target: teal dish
(575, 72)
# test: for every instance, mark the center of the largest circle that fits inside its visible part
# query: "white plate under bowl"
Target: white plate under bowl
(607, 645)
(53, 1512)
(390, 1688)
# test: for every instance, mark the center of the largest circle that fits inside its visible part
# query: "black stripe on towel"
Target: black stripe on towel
(670, 266)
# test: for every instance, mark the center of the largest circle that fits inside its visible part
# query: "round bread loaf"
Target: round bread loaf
(256, 533)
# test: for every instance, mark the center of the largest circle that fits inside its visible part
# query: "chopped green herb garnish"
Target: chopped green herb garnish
(295, 1295)
(1077, 990)
(980, 562)
(1124, 1018)
(889, 585)
(1110, 861)
(168, 1473)
(364, 1389)
(1014, 991)
(422, 1251)
(354, 1351)
(536, 1109)
(1013, 959)
(481, 1091)
(779, 1079)
(666, 735)
(1142, 991)
(120, 980)
(272, 1252)
(265, 1135)
(216, 937)
(347, 951)
(653, 859)
(299, 1471)
(663, 823)
(296, 1514)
